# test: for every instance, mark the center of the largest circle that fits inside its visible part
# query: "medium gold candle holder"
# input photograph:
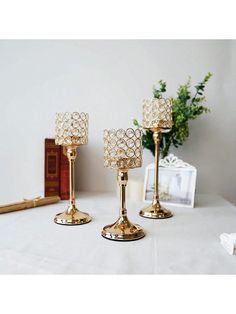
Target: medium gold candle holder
(71, 132)
(157, 117)
(123, 151)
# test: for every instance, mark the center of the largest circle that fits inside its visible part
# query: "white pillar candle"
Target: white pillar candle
(134, 189)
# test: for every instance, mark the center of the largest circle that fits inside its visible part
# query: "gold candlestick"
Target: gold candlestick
(157, 117)
(71, 132)
(123, 151)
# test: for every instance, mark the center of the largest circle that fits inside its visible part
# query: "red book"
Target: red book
(64, 176)
(52, 168)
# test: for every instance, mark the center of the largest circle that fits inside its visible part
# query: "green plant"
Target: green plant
(184, 108)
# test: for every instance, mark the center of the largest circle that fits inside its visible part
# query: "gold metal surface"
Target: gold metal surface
(71, 131)
(72, 217)
(123, 230)
(157, 116)
(122, 151)
(155, 211)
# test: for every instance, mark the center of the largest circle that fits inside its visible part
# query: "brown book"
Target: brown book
(64, 176)
(52, 168)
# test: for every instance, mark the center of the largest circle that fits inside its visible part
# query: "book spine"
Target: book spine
(52, 168)
(64, 176)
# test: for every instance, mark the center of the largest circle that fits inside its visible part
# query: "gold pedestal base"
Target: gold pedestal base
(123, 230)
(72, 217)
(155, 211)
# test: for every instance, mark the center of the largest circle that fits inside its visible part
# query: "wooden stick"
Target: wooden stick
(31, 203)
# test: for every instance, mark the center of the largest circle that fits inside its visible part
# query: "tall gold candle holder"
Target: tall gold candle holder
(157, 117)
(71, 132)
(123, 151)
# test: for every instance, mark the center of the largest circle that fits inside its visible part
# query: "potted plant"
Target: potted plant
(185, 107)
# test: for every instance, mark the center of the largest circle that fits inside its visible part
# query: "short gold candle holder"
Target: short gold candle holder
(157, 117)
(71, 132)
(123, 151)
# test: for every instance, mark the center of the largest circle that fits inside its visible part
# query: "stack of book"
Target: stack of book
(56, 175)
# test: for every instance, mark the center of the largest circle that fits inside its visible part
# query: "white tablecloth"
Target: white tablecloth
(188, 243)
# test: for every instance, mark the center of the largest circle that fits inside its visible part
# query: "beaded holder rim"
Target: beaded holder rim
(71, 128)
(153, 110)
(123, 148)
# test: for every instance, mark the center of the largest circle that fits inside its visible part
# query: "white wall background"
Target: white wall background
(109, 80)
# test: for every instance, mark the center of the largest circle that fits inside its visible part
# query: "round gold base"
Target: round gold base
(155, 212)
(72, 218)
(123, 230)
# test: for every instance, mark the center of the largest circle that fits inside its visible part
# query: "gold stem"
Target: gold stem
(72, 182)
(71, 155)
(122, 178)
(156, 138)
